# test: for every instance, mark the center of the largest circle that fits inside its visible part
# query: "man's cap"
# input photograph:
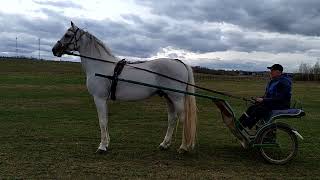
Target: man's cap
(276, 67)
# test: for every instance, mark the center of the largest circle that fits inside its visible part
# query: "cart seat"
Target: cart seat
(286, 113)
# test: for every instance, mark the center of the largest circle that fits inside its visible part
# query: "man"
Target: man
(276, 97)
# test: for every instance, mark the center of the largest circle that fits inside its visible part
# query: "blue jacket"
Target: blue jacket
(278, 93)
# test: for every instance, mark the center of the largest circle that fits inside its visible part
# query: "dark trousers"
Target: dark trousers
(253, 114)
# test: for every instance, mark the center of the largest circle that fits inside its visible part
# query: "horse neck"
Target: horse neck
(94, 50)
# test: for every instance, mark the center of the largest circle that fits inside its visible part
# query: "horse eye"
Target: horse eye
(67, 35)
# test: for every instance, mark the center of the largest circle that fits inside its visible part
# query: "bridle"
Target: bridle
(74, 40)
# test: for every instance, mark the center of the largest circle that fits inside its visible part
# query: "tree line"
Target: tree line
(205, 70)
(308, 72)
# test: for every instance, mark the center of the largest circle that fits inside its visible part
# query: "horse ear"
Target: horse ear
(72, 24)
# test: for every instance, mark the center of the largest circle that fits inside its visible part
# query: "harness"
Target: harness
(114, 81)
(165, 76)
(119, 66)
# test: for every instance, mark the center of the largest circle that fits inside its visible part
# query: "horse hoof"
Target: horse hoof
(162, 148)
(182, 151)
(100, 151)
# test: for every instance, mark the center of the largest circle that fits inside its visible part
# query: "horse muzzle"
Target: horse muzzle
(58, 49)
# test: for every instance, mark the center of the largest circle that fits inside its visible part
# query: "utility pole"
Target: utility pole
(16, 46)
(39, 48)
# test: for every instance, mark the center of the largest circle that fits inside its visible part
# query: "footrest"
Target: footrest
(287, 113)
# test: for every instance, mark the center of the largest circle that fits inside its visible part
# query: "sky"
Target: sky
(230, 34)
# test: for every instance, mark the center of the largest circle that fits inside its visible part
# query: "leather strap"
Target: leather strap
(116, 72)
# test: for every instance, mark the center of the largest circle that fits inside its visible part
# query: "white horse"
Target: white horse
(179, 105)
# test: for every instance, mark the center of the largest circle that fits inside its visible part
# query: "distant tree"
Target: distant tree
(316, 71)
(308, 72)
(303, 68)
(304, 71)
(316, 68)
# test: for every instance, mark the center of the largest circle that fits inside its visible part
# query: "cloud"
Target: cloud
(206, 37)
(28, 30)
(201, 27)
(61, 4)
(237, 60)
(284, 16)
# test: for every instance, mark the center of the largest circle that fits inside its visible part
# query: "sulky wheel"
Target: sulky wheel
(278, 144)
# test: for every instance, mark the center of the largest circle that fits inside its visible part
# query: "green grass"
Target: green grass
(49, 129)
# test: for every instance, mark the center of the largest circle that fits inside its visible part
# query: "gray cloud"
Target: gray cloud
(142, 38)
(181, 25)
(63, 4)
(284, 16)
(28, 31)
(202, 38)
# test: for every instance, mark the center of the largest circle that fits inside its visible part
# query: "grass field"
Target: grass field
(49, 129)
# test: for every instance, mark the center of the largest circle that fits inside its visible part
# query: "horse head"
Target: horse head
(68, 42)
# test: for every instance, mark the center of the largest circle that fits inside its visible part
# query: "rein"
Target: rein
(162, 75)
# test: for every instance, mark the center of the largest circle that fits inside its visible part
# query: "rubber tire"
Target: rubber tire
(293, 137)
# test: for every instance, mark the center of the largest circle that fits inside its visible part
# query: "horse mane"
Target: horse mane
(98, 42)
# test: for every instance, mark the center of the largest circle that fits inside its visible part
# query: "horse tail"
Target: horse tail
(190, 107)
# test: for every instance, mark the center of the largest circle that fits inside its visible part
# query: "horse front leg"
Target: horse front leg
(101, 105)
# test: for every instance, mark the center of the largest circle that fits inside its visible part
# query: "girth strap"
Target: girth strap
(116, 72)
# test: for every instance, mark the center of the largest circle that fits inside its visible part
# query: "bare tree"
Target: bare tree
(316, 71)
(308, 72)
(316, 68)
(304, 70)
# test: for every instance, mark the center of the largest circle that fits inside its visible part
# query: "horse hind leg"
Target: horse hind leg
(180, 109)
(101, 106)
(176, 109)
(183, 147)
(172, 119)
